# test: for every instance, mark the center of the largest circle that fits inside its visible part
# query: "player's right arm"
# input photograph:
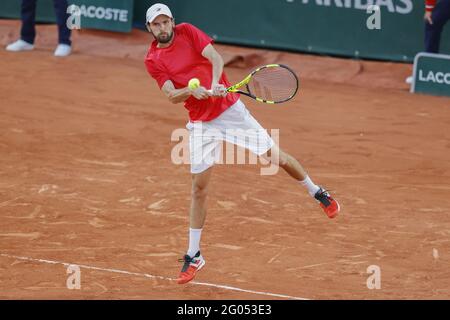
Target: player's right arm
(181, 95)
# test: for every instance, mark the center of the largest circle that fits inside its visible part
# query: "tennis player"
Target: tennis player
(182, 52)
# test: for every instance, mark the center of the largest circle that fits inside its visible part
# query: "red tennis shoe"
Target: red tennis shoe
(328, 204)
(190, 267)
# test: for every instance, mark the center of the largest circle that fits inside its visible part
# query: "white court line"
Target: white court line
(146, 275)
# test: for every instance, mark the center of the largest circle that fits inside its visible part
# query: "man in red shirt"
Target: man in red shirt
(178, 54)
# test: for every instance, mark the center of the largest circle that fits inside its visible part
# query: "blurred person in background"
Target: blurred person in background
(437, 14)
(28, 30)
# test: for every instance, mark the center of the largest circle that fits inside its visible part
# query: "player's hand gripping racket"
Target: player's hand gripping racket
(272, 83)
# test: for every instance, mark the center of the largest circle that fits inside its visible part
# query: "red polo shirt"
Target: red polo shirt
(182, 61)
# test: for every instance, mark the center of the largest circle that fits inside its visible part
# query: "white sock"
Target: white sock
(194, 241)
(312, 188)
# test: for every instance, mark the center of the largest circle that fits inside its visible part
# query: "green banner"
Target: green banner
(113, 15)
(432, 74)
(337, 27)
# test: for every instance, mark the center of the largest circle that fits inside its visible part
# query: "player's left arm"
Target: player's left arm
(210, 53)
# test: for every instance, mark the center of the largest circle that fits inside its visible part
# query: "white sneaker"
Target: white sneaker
(20, 45)
(409, 80)
(63, 50)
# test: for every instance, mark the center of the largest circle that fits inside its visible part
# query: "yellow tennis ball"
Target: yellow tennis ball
(194, 83)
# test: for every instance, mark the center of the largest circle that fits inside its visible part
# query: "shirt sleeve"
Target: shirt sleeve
(429, 5)
(156, 72)
(199, 38)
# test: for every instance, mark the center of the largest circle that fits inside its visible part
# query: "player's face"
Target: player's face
(162, 28)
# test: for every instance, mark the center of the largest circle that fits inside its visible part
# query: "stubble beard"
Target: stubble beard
(165, 39)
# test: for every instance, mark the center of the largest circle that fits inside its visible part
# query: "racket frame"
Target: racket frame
(246, 81)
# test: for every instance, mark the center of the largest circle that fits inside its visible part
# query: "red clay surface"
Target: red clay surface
(86, 178)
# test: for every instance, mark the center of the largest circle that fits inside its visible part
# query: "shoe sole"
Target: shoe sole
(20, 50)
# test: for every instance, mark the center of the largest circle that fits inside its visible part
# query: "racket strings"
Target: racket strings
(273, 84)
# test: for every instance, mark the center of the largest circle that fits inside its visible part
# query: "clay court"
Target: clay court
(86, 178)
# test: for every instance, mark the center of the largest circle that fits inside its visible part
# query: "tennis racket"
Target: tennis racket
(272, 83)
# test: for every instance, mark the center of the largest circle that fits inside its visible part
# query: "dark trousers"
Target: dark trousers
(28, 15)
(440, 15)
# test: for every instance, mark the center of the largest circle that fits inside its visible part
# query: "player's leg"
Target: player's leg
(193, 261)
(197, 216)
(205, 150)
(292, 167)
(255, 138)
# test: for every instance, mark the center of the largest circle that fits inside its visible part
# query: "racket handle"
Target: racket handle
(211, 92)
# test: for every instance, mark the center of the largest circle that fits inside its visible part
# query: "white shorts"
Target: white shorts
(235, 125)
